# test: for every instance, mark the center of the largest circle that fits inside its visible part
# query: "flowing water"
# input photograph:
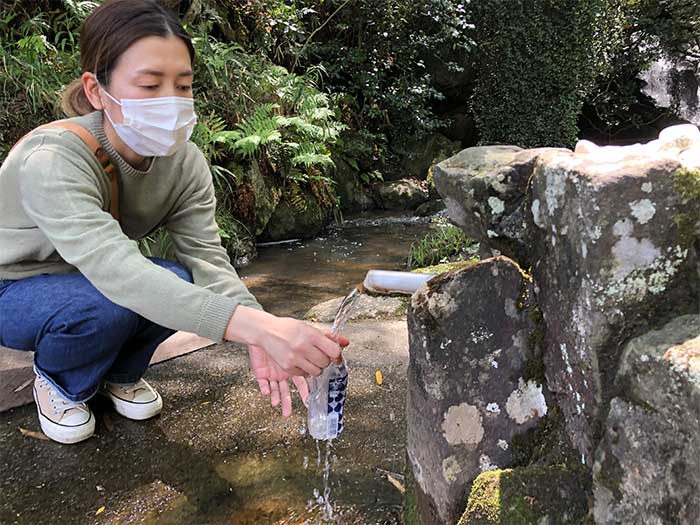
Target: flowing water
(341, 317)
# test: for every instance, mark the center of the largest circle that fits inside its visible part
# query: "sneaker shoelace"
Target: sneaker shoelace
(135, 387)
(60, 406)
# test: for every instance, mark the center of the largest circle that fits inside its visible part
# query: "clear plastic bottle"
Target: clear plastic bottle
(326, 401)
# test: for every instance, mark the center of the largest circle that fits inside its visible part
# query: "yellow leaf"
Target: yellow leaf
(399, 486)
(99, 511)
(32, 434)
(378, 377)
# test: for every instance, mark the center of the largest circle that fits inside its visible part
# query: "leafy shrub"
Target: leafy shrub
(538, 60)
(381, 56)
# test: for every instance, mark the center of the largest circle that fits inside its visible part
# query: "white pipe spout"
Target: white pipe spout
(384, 282)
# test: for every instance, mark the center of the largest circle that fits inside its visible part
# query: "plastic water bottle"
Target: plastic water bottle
(326, 401)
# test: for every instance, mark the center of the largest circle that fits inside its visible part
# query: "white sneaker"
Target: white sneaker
(135, 401)
(61, 420)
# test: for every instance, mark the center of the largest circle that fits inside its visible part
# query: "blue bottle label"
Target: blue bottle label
(336, 401)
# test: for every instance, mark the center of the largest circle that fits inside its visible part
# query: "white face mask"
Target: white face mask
(154, 127)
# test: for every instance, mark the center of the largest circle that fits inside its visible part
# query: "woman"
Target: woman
(73, 285)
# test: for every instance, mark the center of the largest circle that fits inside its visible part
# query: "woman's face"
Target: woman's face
(151, 67)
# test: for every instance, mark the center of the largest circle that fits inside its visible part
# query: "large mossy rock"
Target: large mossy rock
(294, 222)
(469, 392)
(610, 234)
(353, 197)
(612, 237)
(647, 467)
(529, 496)
(401, 194)
(420, 154)
(484, 189)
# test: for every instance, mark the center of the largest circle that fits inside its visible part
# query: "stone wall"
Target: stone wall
(605, 240)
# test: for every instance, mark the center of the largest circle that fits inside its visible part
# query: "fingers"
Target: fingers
(274, 393)
(317, 357)
(327, 346)
(286, 398)
(310, 369)
(302, 388)
(264, 387)
(340, 339)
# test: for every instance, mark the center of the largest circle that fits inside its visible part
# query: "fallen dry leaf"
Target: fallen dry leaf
(99, 511)
(378, 377)
(32, 434)
(23, 385)
(399, 486)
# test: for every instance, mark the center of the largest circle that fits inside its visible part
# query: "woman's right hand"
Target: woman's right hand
(297, 347)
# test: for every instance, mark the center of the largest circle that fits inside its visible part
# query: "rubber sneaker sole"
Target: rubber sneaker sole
(64, 433)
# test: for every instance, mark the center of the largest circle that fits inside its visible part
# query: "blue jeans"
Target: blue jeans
(80, 337)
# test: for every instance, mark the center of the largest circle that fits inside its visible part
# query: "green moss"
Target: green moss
(447, 267)
(547, 443)
(484, 500)
(410, 509)
(524, 496)
(403, 309)
(687, 184)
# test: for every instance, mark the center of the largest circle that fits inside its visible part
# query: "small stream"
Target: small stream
(288, 279)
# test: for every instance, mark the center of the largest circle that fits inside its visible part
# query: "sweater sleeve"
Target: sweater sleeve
(62, 191)
(195, 235)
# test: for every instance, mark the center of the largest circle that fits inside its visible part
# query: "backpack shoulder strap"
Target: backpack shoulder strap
(99, 152)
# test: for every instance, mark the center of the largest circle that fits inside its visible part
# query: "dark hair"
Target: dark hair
(108, 32)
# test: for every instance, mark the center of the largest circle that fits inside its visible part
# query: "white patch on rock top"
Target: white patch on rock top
(527, 402)
(462, 425)
(643, 210)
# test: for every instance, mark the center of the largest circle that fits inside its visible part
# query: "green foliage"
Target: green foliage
(382, 58)
(538, 60)
(639, 32)
(261, 111)
(448, 243)
(38, 57)
(669, 27)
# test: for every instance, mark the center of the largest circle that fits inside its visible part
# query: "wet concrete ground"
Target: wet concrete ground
(218, 453)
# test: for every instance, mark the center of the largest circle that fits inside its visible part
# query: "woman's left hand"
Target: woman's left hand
(274, 382)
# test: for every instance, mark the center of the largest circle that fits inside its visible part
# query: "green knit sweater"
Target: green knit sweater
(54, 218)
